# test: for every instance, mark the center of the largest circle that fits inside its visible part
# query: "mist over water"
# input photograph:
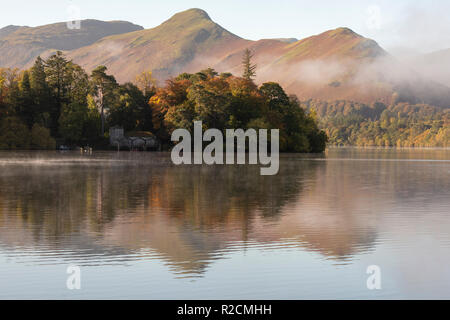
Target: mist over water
(140, 227)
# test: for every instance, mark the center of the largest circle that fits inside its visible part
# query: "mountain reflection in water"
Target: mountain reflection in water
(113, 209)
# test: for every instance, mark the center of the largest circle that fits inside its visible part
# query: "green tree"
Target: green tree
(274, 95)
(79, 123)
(11, 90)
(41, 93)
(104, 86)
(26, 109)
(212, 100)
(56, 71)
(78, 87)
(131, 110)
(41, 138)
(14, 134)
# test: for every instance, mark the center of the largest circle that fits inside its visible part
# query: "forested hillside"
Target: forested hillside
(398, 125)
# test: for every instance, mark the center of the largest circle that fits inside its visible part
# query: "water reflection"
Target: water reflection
(118, 208)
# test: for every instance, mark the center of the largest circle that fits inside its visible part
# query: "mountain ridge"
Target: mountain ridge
(334, 65)
(21, 45)
(167, 49)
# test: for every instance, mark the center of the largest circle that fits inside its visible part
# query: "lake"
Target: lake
(139, 227)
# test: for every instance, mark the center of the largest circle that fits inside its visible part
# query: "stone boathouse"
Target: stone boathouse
(133, 140)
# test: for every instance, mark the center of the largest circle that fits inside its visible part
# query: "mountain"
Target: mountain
(186, 41)
(322, 66)
(8, 30)
(20, 46)
(340, 65)
(435, 65)
(335, 65)
(287, 40)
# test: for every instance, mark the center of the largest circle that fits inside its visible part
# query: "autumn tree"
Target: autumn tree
(223, 102)
(146, 83)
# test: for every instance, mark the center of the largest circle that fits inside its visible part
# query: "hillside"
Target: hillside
(186, 41)
(341, 64)
(401, 125)
(325, 66)
(8, 30)
(435, 65)
(335, 65)
(19, 46)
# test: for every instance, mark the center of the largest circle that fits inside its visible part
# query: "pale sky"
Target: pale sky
(421, 25)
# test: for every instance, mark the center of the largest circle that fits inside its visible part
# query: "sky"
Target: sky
(417, 26)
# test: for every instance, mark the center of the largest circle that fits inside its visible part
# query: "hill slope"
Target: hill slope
(340, 64)
(186, 40)
(337, 64)
(19, 46)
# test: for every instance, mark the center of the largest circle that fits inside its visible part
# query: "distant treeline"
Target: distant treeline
(398, 125)
(57, 103)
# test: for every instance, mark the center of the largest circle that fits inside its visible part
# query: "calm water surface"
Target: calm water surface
(141, 228)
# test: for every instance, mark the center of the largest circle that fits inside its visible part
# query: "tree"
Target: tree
(246, 102)
(78, 84)
(14, 134)
(41, 138)
(147, 84)
(41, 93)
(12, 92)
(26, 109)
(72, 122)
(3, 106)
(212, 100)
(210, 73)
(79, 123)
(38, 76)
(249, 67)
(224, 102)
(274, 95)
(9, 92)
(131, 110)
(55, 69)
(104, 86)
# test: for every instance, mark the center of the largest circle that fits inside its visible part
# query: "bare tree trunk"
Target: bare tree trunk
(102, 113)
(103, 122)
